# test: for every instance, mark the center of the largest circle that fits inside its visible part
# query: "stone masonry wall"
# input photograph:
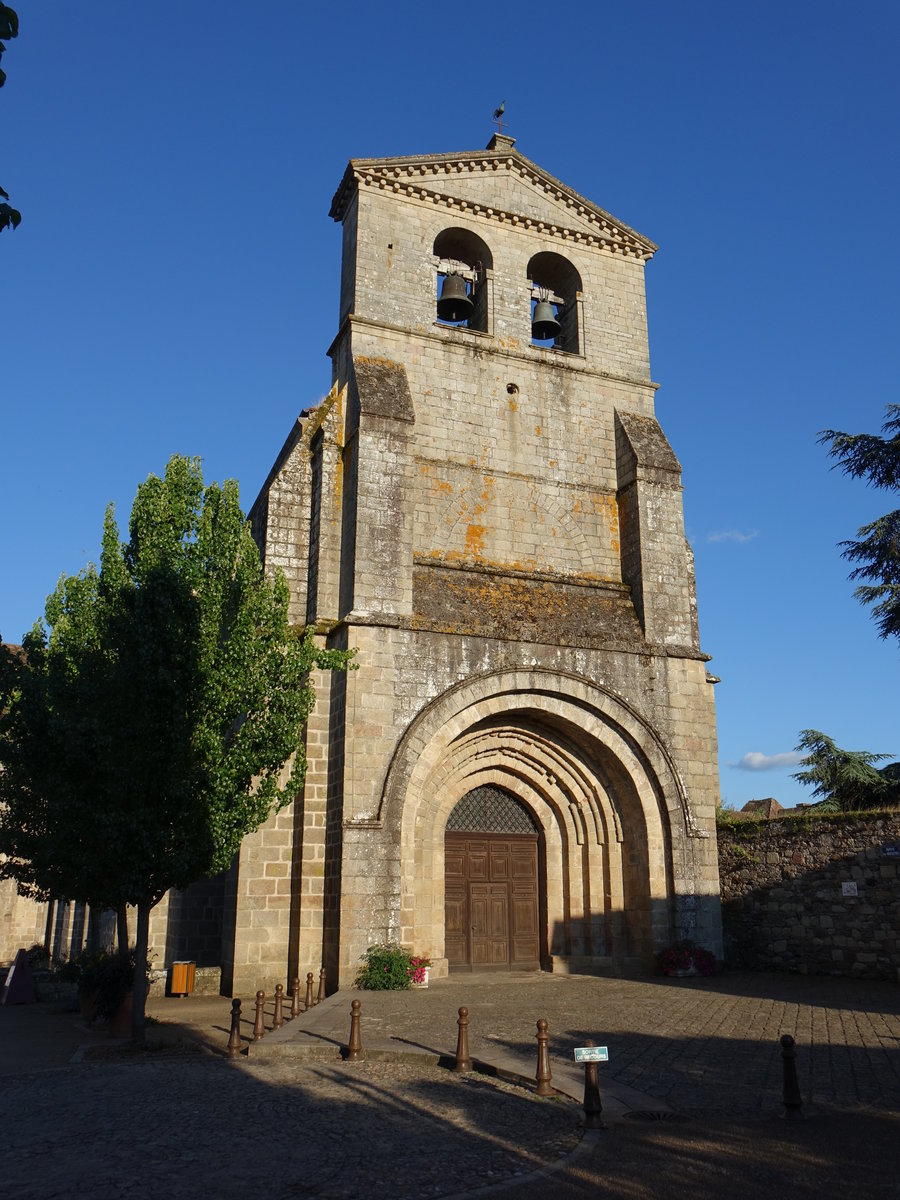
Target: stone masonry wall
(819, 895)
(21, 921)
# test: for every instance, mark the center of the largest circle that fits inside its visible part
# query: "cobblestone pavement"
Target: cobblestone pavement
(163, 1126)
(107, 1121)
(693, 1044)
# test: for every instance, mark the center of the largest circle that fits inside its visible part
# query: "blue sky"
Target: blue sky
(174, 283)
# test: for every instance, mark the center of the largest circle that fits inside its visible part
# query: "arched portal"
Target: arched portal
(611, 814)
(492, 894)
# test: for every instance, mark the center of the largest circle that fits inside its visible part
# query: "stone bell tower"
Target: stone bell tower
(521, 773)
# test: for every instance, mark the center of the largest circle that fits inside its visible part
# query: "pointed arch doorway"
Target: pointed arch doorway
(492, 894)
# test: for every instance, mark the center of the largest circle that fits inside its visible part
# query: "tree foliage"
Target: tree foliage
(9, 28)
(846, 780)
(157, 716)
(877, 546)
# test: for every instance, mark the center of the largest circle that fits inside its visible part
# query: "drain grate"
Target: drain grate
(646, 1115)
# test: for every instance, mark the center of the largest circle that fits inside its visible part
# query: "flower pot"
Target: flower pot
(424, 983)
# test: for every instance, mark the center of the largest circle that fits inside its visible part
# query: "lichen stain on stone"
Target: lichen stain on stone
(474, 540)
(513, 405)
(537, 431)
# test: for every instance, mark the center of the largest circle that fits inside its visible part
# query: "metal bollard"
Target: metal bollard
(463, 1061)
(295, 998)
(543, 1077)
(234, 1038)
(259, 1024)
(593, 1106)
(354, 1048)
(321, 995)
(308, 1003)
(793, 1101)
(278, 1019)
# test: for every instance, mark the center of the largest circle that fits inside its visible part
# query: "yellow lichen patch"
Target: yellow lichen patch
(513, 405)
(537, 431)
(474, 540)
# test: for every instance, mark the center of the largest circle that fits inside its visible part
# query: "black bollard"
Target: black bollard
(321, 995)
(278, 1020)
(259, 1024)
(234, 1038)
(463, 1061)
(295, 997)
(309, 992)
(593, 1106)
(793, 1101)
(543, 1077)
(354, 1048)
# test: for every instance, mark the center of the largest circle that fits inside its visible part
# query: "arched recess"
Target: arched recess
(599, 782)
(552, 277)
(462, 253)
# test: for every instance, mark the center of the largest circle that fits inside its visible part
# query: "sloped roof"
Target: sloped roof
(421, 176)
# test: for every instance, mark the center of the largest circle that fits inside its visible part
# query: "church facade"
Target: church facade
(521, 771)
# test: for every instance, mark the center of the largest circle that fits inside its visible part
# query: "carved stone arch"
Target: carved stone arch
(611, 808)
(444, 718)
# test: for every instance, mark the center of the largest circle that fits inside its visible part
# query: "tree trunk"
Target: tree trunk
(139, 998)
(122, 928)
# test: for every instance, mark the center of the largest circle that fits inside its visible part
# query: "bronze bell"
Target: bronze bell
(543, 322)
(454, 303)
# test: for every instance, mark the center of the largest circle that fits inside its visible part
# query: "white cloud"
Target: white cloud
(755, 761)
(732, 535)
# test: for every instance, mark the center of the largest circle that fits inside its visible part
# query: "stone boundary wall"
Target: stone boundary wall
(818, 895)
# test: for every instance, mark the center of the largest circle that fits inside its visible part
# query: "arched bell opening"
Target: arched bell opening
(463, 264)
(555, 290)
(494, 906)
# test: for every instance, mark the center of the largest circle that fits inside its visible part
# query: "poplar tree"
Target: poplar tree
(156, 715)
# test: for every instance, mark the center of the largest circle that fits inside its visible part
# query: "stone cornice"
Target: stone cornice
(417, 177)
(531, 354)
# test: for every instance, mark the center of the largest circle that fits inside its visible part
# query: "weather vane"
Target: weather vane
(498, 116)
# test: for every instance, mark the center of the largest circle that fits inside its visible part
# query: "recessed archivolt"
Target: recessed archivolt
(548, 766)
(554, 701)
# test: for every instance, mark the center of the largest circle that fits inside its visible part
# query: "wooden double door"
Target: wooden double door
(491, 900)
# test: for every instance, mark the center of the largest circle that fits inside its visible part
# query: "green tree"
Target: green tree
(9, 28)
(877, 546)
(845, 780)
(157, 717)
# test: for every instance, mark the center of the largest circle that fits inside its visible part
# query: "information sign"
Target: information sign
(591, 1054)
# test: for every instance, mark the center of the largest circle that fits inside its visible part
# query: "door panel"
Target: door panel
(456, 937)
(491, 901)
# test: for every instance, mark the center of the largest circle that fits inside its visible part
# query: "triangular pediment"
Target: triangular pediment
(498, 183)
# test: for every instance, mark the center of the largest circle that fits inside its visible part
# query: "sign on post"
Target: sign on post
(591, 1054)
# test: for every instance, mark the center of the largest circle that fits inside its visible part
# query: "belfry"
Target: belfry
(521, 772)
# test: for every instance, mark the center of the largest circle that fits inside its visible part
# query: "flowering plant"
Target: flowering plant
(687, 957)
(417, 968)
